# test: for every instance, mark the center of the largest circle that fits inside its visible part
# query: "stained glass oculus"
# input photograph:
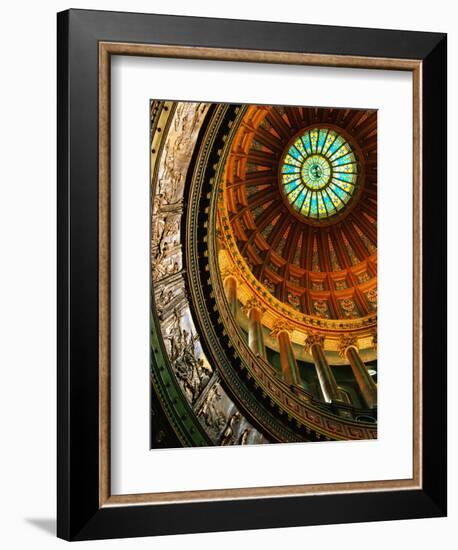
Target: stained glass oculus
(319, 173)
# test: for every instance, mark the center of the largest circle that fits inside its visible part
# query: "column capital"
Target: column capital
(313, 338)
(374, 338)
(281, 326)
(253, 303)
(347, 341)
(229, 271)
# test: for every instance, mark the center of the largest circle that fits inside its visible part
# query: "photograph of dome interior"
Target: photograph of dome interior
(263, 274)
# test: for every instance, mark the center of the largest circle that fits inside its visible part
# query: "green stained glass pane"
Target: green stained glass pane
(330, 208)
(288, 169)
(329, 141)
(293, 195)
(322, 213)
(339, 192)
(314, 140)
(344, 160)
(314, 206)
(299, 200)
(306, 206)
(338, 142)
(339, 153)
(344, 177)
(293, 151)
(300, 147)
(321, 139)
(291, 187)
(307, 145)
(292, 161)
(287, 178)
(344, 185)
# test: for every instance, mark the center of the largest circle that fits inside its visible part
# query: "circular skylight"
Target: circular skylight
(319, 173)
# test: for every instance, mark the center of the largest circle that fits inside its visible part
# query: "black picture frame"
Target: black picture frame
(80, 516)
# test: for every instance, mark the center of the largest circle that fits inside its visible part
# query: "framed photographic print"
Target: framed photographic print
(252, 274)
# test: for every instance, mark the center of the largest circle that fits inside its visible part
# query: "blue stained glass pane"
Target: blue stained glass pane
(295, 153)
(343, 177)
(348, 168)
(314, 139)
(339, 192)
(336, 201)
(306, 205)
(300, 199)
(288, 169)
(335, 146)
(328, 203)
(288, 178)
(321, 139)
(314, 206)
(321, 208)
(306, 142)
(300, 147)
(329, 141)
(291, 160)
(343, 160)
(291, 186)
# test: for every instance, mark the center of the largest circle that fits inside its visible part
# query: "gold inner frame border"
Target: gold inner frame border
(108, 49)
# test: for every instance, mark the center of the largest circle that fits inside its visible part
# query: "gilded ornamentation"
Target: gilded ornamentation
(363, 277)
(229, 271)
(349, 307)
(321, 308)
(281, 325)
(294, 300)
(269, 285)
(372, 296)
(317, 285)
(347, 341)
(313, 338)
(253, 303)
(341, 284)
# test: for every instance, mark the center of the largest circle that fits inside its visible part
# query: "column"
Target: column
(367, 387)
(254, 310)
(230, 288)
(290, 370)
(314, 344)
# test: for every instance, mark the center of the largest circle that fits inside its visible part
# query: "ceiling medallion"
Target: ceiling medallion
(319, 174)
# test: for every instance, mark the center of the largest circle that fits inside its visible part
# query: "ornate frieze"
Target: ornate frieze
(195, 375)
